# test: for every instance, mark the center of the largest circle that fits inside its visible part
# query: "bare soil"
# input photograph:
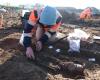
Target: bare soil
(15, 66)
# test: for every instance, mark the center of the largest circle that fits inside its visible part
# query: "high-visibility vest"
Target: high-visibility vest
(33, 16)
(85, 14)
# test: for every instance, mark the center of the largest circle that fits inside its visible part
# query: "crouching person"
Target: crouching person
(45, 23)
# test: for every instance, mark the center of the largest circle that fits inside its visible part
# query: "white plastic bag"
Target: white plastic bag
(81, 34)
(75, 38)
(74, 45)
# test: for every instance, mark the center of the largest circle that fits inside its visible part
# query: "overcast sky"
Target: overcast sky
(63, 3)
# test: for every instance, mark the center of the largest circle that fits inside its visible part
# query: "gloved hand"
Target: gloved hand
(30, 53)
(39, 45)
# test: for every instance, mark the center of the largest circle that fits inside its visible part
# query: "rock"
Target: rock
(73, 68)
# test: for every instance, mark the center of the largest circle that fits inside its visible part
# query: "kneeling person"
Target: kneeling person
(44, 22)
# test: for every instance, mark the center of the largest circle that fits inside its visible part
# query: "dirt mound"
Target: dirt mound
(21, 71)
